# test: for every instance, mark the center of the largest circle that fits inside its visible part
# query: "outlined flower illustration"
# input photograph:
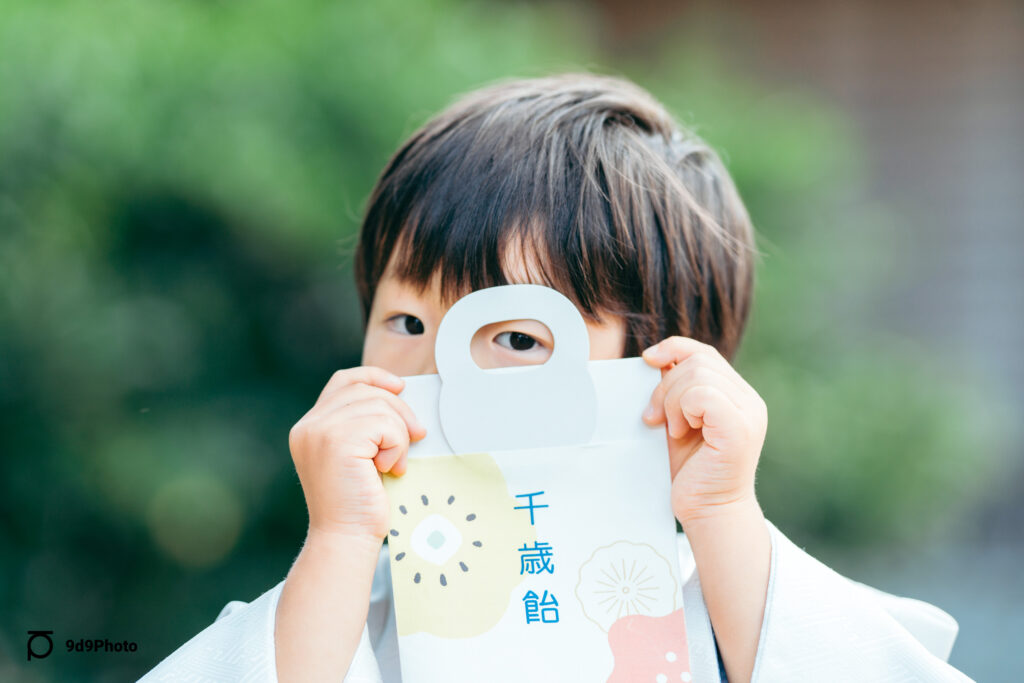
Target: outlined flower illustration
(454, 542)
(625, 578)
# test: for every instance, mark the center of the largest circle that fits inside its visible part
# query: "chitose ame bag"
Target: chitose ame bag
(532, 535)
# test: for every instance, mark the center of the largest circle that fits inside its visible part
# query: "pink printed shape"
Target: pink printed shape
(650, 649)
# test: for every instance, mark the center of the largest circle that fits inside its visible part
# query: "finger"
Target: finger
(382, 430)
(348, 396)
(354, 415)
(365, 374)
(677, 349)
(362, 431)
(387, 458)
(401, 465)
(386, 451)
(674, 349)
(678, 424)
(394, 460)
(670, 408)
(697, 369)
(710, 410)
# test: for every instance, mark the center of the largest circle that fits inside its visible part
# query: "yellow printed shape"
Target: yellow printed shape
(454, 542)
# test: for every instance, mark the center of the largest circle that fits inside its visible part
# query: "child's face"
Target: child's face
(402, 327)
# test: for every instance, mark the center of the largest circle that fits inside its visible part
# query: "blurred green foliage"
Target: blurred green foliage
(179, 185)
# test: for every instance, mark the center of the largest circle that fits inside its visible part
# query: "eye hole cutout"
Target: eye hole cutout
(512, 343)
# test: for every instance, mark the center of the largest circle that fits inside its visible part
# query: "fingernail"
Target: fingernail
(653, 350)
(648, 412)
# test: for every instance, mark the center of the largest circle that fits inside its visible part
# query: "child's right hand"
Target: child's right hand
(358, 428)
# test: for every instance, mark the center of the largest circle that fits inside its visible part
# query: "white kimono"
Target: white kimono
(818, 626)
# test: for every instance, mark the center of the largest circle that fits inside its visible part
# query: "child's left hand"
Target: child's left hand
(716, 426)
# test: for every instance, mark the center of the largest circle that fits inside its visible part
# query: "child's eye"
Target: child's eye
(517, 341)
(406, 324)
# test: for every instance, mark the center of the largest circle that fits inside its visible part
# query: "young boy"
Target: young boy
(584, 184)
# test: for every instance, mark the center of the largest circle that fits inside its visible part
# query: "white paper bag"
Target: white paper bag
(532, 536)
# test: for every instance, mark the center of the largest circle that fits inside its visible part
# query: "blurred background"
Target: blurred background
(181, 183)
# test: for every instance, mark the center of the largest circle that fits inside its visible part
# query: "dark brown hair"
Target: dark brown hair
(623, 211)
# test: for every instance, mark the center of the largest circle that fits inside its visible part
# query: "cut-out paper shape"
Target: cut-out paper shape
(650, 649)
(453, 567)
(625, 578)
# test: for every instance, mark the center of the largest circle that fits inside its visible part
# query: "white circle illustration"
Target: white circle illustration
(435, 539)
(625, 578)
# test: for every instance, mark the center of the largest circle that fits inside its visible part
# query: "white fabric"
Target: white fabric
(817, 626)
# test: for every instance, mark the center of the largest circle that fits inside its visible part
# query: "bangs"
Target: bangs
(490, 201)
(511, 252)
(581, 183)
